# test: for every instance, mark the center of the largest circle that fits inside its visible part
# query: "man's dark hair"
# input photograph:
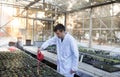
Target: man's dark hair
(59, 27)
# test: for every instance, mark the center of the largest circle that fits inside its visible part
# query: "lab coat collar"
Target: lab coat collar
(66, 34)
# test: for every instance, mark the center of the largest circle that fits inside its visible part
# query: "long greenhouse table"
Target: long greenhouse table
(84, 69)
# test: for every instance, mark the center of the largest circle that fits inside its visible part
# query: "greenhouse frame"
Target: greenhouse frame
(95, 24)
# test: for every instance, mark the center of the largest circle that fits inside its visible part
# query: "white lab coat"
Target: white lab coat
(67, 54)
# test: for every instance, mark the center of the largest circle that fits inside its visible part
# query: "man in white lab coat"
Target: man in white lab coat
(67, 51)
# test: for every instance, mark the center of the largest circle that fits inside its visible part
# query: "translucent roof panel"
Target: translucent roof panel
(68, 5)
(63, 5)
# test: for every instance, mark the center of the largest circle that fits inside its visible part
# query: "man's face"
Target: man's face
(59, 33)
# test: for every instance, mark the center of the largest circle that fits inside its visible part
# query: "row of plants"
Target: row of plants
(12, 55)
(98, 52)
(93, 51)
(52, 49)
(98, 58)
(16, 63)
(29, 72)
(98, 63)
(99, 55)
(20, 64)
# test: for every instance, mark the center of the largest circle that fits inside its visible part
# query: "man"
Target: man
(67, 51)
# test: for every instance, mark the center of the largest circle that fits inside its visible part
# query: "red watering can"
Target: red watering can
(40, 57)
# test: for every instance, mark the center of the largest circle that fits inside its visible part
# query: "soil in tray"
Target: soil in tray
(19, 64)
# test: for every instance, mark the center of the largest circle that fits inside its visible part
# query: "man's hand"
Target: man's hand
(72, 71)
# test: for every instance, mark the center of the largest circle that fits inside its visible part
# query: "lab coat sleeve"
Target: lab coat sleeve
(75, 56)
(49, 42)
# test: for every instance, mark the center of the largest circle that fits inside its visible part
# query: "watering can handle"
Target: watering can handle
(40, 56)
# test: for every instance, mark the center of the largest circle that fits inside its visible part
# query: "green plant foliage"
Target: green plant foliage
(99, 59)
(19, 64)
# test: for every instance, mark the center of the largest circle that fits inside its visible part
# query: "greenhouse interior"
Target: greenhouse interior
(25, 25)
